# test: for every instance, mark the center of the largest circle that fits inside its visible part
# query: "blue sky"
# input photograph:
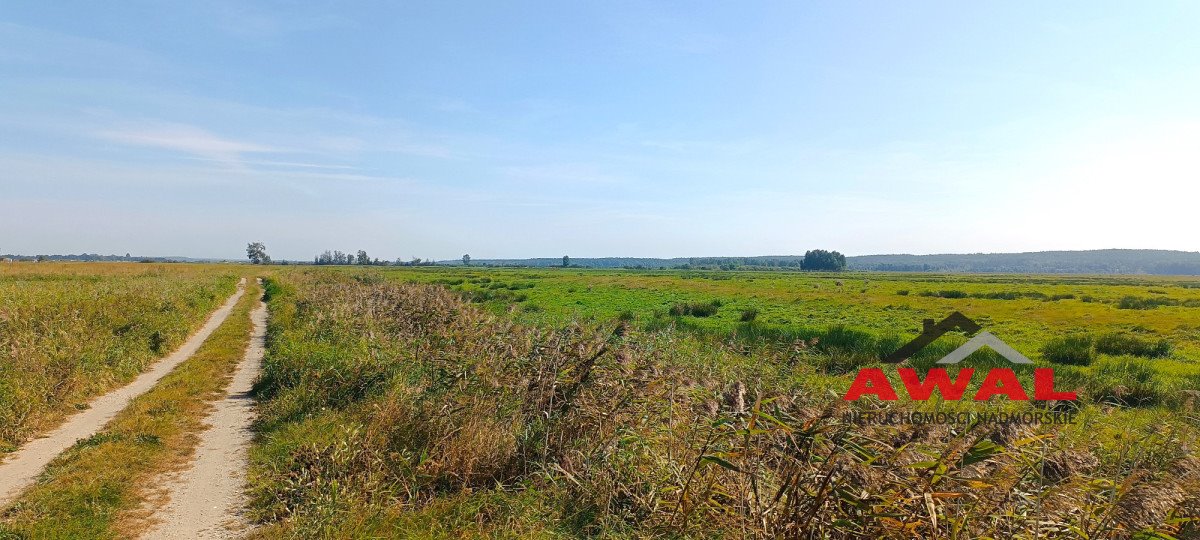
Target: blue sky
(521, 129)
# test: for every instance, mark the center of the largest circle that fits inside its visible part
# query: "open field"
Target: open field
(463, 402)
(70, 331)
(629, 404)
(863, 316)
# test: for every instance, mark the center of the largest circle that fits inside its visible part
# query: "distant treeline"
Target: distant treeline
(817, 259)
(1104, 261)
(95, 257)
(1107, 261)
(361, 258)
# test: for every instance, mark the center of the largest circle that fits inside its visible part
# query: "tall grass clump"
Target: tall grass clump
(1118, 344)
(1075, 350)
(695, 309)
(1138, 302)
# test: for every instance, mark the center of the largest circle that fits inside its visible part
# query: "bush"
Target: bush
(1072, 350)
(749, 314)
(1124, 344)
(902, 292)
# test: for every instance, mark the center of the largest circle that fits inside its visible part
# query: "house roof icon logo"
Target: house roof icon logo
(956, 321)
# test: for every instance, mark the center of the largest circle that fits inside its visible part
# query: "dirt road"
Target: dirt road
(206, 499)
(22, 467)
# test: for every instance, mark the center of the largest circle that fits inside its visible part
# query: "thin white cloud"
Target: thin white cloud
(187, 139)
(286, 164)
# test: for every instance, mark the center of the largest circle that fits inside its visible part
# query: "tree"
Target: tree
(466, 260)
(257, 253)
(821, 260)
(362, 258)
(566, 261)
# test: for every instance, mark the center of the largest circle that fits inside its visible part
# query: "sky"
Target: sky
(606, 128)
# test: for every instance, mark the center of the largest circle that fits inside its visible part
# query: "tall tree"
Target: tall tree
(566, 261)
(466, 260)
(363, 258)
(257, 253)
(821, 260)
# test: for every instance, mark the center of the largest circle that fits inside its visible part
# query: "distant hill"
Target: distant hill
(1102, 261)
(99, 257)
(782, 261)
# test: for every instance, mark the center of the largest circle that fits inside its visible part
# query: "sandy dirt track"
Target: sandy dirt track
(206, 499)
(22, 467)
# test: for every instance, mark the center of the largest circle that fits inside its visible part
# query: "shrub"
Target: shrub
(902, 292)
(1073, 350)
(749, 314)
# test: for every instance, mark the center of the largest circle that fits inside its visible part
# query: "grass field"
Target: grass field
(1121, 327)
(69, 331)
(565, 402)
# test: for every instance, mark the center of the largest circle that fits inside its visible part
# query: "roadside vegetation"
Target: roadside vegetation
(400, 409)
(71, 331)
(97, 488)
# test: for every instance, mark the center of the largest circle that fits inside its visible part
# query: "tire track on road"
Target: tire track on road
(206, 500)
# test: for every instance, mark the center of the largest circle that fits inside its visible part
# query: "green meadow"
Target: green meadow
(1132, 317)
